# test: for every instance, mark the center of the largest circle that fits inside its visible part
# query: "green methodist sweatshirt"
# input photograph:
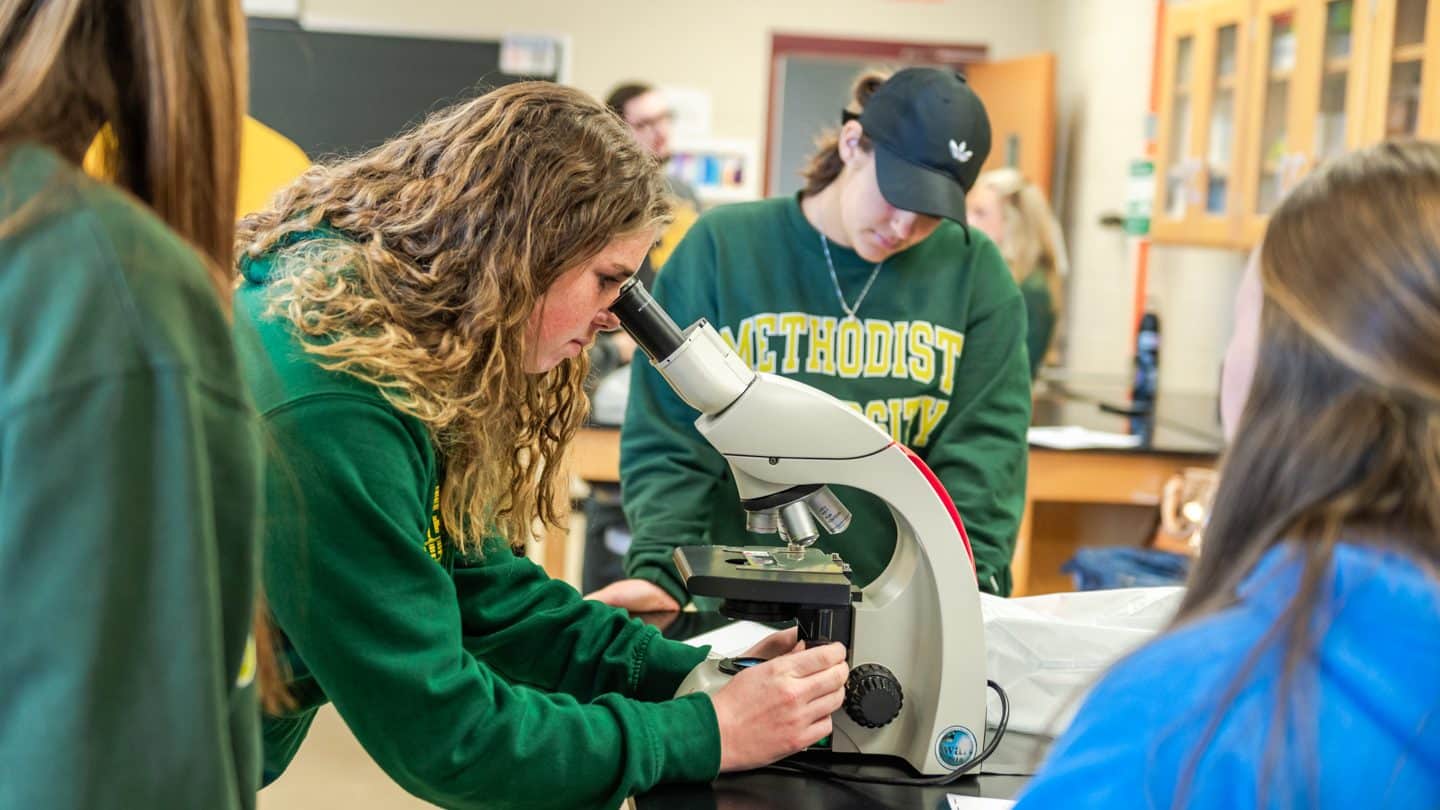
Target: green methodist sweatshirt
(1040, 315)
(129, 508)
(475, 681)
(935, 356)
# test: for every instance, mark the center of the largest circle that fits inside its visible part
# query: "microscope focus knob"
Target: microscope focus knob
(872, 695)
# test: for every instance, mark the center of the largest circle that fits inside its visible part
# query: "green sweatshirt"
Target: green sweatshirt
(129, 508)
(936, 358)
(1040, 315)
(474, 681)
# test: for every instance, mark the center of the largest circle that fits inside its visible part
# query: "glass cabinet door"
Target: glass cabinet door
(1273, 149)
(1404, 102)
(1220, 143)
(1338, 116)
(1179, 116)
(1178, 165)
(1224, 59)
(1305, 98)
(1203, 136)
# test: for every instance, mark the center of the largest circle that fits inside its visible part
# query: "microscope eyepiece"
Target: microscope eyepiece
(646, 321)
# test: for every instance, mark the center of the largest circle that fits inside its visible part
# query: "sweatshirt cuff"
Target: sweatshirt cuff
(686, 735)
(664, 576)
(664, 665)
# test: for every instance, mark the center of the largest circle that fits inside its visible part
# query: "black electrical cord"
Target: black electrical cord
(808, 769)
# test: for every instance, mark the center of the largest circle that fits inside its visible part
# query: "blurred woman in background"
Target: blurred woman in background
(1012, 211)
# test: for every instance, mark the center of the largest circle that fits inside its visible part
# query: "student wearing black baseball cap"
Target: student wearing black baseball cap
(869, 286)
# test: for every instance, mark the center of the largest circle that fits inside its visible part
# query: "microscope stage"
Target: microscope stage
(765, 574)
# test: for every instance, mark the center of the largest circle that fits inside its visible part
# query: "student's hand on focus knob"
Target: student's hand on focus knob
(780, 707)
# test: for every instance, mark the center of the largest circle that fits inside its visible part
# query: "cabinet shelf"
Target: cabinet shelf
(1409, 53)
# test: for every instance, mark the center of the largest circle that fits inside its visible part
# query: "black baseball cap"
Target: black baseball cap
(931, 135)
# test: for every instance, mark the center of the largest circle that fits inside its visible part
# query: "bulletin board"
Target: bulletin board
(342, 92)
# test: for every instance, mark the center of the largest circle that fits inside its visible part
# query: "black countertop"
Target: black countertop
(759, 790)
(1179, 423)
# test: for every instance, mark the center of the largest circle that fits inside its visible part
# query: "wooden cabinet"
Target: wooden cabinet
(1201, 73)
(1404, 96)
(1311, 80)
(1305, 98)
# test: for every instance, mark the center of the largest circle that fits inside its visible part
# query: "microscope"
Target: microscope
(914, 636)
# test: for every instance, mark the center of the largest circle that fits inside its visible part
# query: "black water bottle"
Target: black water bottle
(1147, 364)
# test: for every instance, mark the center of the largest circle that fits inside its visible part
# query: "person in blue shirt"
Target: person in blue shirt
(1303, 666)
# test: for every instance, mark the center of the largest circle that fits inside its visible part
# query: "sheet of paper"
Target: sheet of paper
(732, 639)
(1074, 437)
(958, 802)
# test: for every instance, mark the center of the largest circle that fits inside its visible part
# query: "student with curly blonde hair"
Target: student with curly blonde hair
(413, 325)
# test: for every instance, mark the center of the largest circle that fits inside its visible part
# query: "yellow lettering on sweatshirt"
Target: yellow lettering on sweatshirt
(931, 412)
(922, 351)
(821, 357)
(879, 336)
(765, 325)
(877, 412)
(901, 369)
(792, 325)
(850, 349)
(849, 342)
(434, 538)
(949, 344)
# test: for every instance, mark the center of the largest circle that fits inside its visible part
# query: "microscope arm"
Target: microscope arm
(918, 622)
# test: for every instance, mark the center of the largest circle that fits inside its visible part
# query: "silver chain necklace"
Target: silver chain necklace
(830, 263)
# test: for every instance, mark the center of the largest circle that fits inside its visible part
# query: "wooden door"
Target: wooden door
(1019, 96)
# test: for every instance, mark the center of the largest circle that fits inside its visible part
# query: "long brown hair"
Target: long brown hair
(1340, 436)
(824, 164)
(454, 232)
(168, 76)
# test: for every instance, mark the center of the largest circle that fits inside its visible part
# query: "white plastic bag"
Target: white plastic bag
(1047, 651)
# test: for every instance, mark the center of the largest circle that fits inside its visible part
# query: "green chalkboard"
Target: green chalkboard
(341, 93)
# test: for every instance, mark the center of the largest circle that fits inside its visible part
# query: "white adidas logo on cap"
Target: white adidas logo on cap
(960, 152)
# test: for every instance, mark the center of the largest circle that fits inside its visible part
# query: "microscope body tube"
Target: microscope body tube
(697, 362)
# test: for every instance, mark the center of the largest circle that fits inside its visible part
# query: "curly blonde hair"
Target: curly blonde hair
(453, 232)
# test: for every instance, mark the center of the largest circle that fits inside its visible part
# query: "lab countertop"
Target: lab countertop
(760, 790)
(1179, 423)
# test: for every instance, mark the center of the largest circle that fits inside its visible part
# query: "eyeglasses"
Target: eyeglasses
(642, 124)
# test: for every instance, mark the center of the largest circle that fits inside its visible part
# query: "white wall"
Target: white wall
(1104, 52)
(720, 46)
